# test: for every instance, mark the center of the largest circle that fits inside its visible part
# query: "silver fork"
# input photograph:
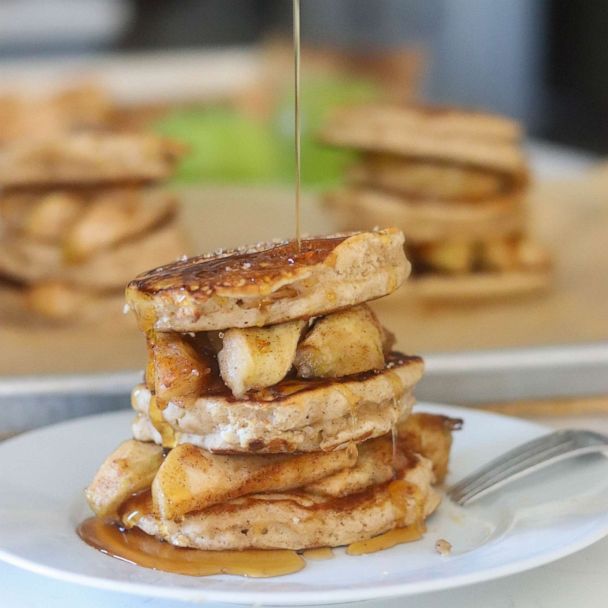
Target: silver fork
(526, 459)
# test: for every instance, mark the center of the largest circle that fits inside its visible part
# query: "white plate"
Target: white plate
(537, 520)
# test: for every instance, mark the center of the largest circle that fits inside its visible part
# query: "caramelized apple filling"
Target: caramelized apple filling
(189, 479)
(182, 367)
(182, 370)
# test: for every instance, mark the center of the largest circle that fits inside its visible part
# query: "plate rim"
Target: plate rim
(326, 597)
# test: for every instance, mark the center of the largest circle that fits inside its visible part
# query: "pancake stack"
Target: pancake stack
(455, 182)
(274, 412)
(79, 213)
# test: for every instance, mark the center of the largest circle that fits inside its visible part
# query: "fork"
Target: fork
(526, 459)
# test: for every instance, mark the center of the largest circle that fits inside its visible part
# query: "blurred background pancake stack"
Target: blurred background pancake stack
(455, 182)
(81, 208)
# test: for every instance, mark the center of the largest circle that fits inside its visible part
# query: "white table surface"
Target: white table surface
(580, 580)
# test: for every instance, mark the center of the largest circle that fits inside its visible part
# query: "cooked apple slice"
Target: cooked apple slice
(129, 469)
(431, 436)
(113, 217)
(499, 254)
(181, 373)
(56, 300)
(257, 357)
(52, 216)
(191, 479)
(376, 464)
(340, 344)
(451, 257)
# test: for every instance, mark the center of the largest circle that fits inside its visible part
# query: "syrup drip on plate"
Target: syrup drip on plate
(137, 547)
(387, 540)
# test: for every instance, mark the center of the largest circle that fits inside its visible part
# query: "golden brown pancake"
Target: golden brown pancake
(295, 415)
(269, 283)
(430, 220)
(86, 159)
(299, 520)
(481, 285)
(424, 132)
(28, 117)
(426, 179)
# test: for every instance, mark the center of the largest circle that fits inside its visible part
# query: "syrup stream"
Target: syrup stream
(298, 130)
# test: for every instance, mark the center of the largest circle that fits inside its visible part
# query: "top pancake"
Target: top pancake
(450, 135)
(269, 283)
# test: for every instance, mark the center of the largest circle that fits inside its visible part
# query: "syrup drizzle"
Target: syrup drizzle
(134, 546)
(394, 440)
(387, 540)
(137, 547)
(297, 125)
(165, 430)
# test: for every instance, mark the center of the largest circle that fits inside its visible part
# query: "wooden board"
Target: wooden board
(570, 216)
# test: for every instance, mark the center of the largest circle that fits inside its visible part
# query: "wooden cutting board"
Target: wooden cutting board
(571, 217)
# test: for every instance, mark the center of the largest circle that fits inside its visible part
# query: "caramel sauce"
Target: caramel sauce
(137, 547)
(387, 540)
(166, 432)
(319, 554)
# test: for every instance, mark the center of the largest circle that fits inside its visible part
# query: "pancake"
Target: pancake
(300, 415)
(85, 160)
(269, 283)
(77, 108)
(430, 180)
(29, 261)
(187, 478)
(299, 520)
(428, 220)
(424, 132)
(61, 303)
(466, 288)
(50, 303)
